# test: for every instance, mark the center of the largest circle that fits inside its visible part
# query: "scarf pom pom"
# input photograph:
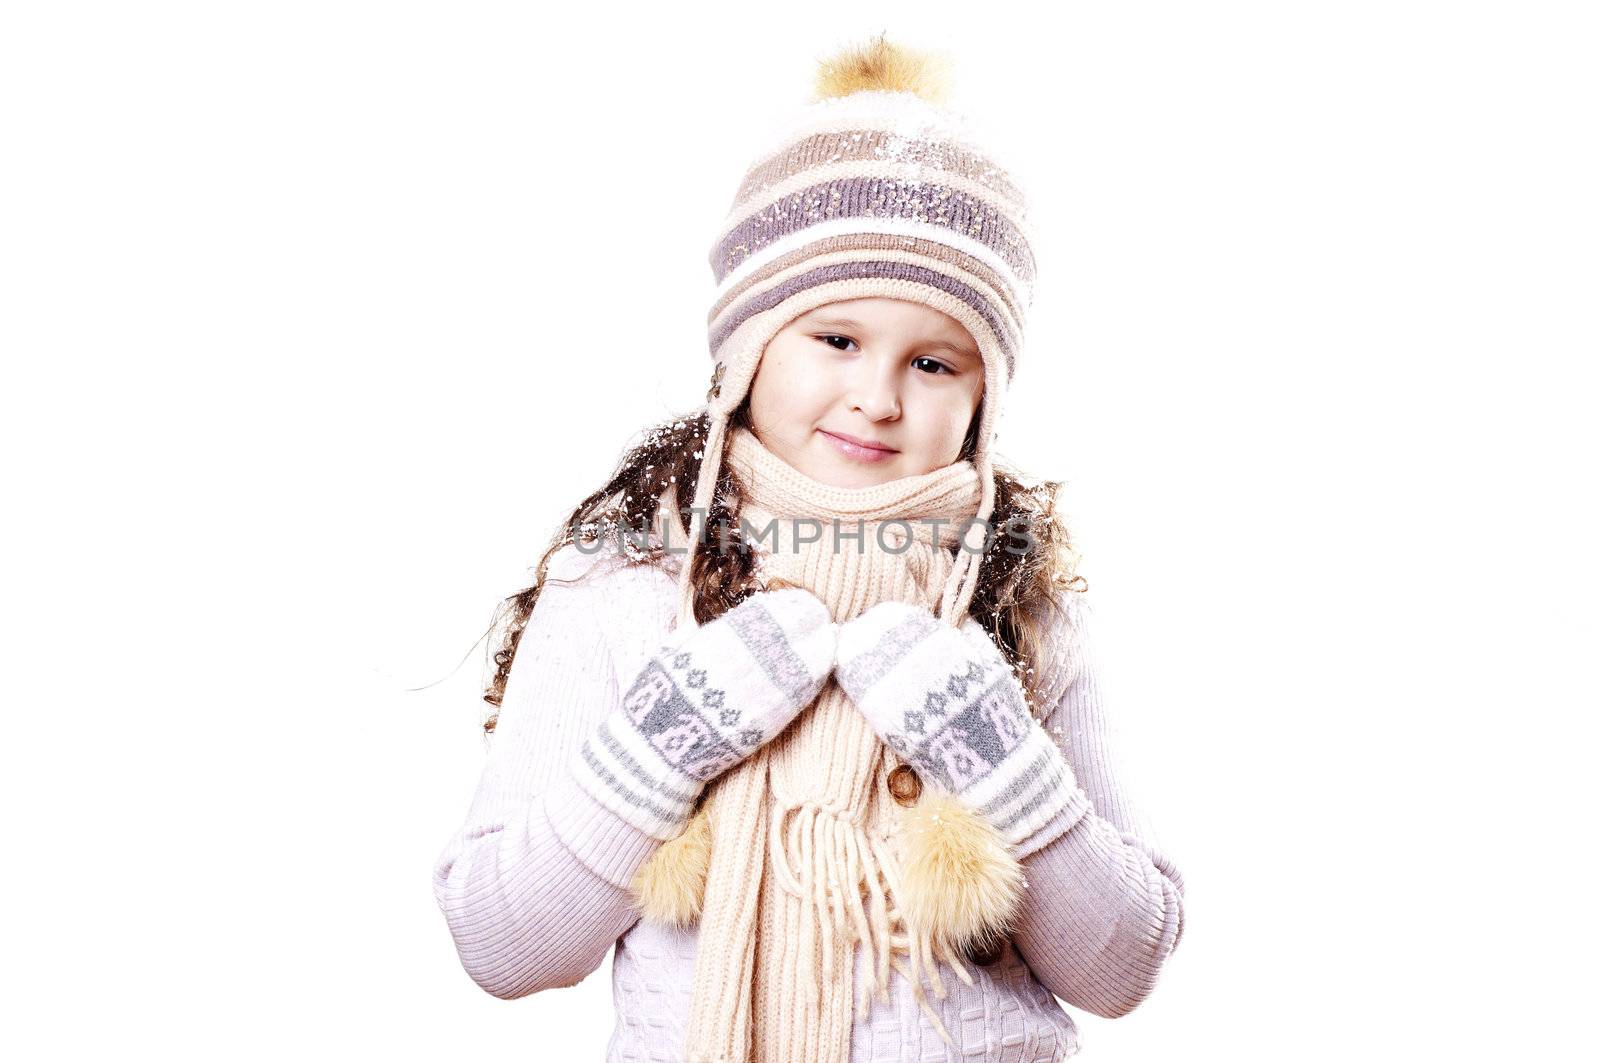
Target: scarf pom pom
(958, 878)
(671, 886)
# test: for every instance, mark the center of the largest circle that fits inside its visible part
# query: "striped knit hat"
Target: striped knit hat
(874, 188)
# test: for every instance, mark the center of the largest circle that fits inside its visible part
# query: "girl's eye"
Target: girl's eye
(937, 366)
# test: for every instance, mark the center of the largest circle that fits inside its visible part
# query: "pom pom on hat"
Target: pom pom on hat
(883, 67)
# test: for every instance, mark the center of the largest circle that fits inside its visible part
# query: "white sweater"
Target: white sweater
(534, 885)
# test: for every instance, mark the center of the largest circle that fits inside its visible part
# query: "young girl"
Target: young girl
(801, 710)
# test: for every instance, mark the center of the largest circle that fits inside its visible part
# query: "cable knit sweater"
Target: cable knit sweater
(534, 885)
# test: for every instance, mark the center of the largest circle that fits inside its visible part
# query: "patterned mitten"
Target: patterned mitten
(705, 702)
(947, 702)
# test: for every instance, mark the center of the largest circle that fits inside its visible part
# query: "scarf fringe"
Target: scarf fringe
(950, 861)
(830, 851)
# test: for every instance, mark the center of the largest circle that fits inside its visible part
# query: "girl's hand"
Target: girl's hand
(705, 702)
(947, 702)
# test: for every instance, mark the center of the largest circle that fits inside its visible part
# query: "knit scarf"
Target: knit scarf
(803, 851)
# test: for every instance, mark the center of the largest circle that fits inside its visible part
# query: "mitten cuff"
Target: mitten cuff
(619, 771)
(1070, 811)
(606, 844)
(1032, 797)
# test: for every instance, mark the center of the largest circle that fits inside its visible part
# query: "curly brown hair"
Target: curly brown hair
(1013, 586)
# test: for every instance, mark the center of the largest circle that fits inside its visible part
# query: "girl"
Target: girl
(801, 712)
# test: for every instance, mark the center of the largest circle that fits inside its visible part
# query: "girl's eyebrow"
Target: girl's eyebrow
(845, 324)
(953, 348)
(835, 322)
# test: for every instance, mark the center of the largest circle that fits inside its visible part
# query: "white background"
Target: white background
(318, 317)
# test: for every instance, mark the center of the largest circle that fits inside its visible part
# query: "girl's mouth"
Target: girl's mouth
(856, 450)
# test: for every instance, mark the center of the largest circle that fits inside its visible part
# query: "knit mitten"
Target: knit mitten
(947, 702)
(703, 703)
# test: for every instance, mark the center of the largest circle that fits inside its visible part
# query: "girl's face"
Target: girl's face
(896, 374)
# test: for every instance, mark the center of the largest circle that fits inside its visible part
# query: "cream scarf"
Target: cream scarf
(804, 841)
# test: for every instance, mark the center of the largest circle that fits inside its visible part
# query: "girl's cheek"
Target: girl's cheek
(811, 395)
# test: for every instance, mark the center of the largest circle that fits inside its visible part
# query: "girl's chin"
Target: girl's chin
(840, 472)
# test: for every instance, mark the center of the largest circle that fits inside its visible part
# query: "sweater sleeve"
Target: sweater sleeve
(534, 884)
(1103, 907)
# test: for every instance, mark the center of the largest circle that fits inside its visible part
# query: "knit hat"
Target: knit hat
(874, 188)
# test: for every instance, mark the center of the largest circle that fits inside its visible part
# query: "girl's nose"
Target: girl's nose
(877, 393)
